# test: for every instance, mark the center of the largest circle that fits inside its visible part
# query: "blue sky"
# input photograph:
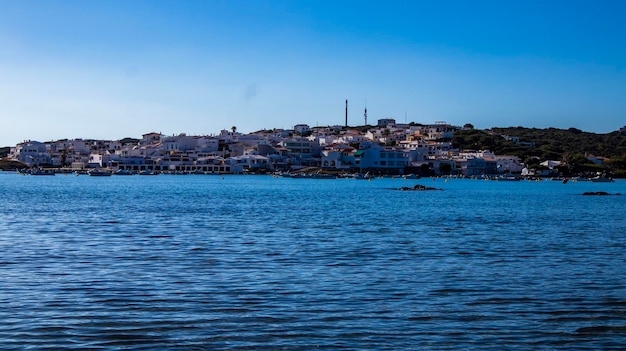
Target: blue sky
(112, 69)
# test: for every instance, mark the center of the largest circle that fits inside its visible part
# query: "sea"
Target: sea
(254, 262)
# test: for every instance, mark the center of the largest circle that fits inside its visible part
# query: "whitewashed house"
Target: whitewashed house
(338, 156)
(32, 153)
(207, 144)
(150, 138)
(301, 129)
(181, 142)
(248, 163)
(509, 164)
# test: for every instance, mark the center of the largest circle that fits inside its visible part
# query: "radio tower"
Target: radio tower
(365, 113)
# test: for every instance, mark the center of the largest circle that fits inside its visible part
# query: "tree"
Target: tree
(618, 162)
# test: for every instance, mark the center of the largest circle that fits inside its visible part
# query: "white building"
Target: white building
(418, 151)
(248, 163)
(95, 160)
(229, 136)
(439, 130)
(180, 142)
(339, 156)
(509, 164)
(385, 122)
(372, 156)
(301, 129)
(150, 138)
(32, 153)
(207, 144)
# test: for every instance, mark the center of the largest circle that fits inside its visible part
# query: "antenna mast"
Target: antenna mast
(365, 113)
(346, 113)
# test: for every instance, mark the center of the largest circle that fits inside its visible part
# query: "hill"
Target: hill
(570, 145)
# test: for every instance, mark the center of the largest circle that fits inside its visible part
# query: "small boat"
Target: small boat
(299, 175)
(599, 179)
(42, 172)
(362, 176)
(147, 172)
(97, 173)
(123, 172)
(507, 178)
(323, 176)
(580, 179)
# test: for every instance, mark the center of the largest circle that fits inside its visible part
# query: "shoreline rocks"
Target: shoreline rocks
(417, 187)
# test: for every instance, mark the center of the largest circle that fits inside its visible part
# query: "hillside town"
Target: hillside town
(388, 148)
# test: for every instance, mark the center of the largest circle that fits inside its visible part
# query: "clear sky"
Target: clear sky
(112, 69)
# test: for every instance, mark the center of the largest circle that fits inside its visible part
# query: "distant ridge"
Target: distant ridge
(574, 141)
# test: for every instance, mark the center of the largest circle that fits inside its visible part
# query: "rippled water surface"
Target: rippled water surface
(254, 262)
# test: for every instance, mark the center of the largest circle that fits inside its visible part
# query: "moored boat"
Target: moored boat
(123, 172)
(362, 176)
(599, 179)
(42, 172)
(323, 176)
(147, 172)
(98, 173)
(507, 178)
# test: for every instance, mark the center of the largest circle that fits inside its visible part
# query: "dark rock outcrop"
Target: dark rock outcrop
(417, 187)
(601, 193)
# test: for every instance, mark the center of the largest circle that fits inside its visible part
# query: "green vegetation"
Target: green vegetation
(129, 141)
(4, 151)
(572, 146)
(572, 141)
(363, 128)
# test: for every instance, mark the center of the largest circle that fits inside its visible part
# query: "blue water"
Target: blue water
(259, 263)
